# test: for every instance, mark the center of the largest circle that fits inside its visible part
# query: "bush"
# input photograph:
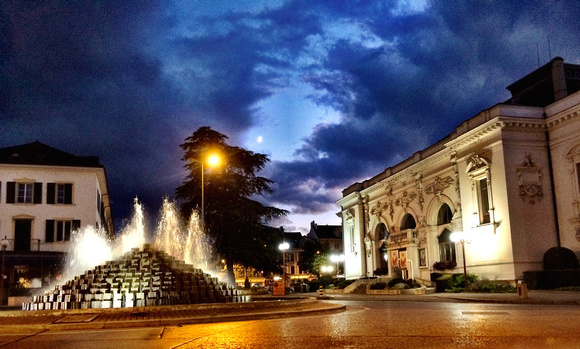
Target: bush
(378, 286)
(491, 286)
(314, 285)
(395, 281)
(444, 265)
(458, 280)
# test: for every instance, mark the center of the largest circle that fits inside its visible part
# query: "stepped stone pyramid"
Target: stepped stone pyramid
(145, 277)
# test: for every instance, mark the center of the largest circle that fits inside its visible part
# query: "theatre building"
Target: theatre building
(495, 194)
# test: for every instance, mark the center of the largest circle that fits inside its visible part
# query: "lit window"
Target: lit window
(480, 175)
(483, 200)
(446, 247)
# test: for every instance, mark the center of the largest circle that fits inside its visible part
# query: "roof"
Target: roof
(545, 85)
(294, 239)
(37, 153)
(318, 232)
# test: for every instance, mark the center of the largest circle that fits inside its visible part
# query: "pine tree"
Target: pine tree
(232, 217)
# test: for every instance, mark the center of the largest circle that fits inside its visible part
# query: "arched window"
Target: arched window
(408, 222)
(445, 215)
(381, 232)
(446, 247)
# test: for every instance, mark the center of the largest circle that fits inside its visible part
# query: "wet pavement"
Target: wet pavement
(264, 307)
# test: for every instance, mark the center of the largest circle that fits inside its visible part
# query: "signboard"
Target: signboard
(278, 289)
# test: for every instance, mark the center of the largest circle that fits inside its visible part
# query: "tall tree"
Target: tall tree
(233, 218)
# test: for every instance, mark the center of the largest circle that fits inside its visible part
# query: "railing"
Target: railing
(10, 245)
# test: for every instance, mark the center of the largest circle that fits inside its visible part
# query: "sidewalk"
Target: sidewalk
(533, 297)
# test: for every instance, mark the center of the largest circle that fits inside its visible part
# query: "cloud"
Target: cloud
(129, 81)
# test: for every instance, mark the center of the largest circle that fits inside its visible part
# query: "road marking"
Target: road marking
(490, 312)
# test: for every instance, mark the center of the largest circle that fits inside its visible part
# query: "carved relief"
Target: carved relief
(405, 199)
(377, 209)
(529, 176)
(438, 186)
(419, 185)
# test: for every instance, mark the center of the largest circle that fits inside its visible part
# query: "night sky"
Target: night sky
(333, 91)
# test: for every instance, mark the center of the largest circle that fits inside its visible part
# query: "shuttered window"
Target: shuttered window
(24, 193)
(59, 193)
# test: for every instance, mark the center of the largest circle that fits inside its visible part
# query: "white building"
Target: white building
(45, 194)
(508, 179)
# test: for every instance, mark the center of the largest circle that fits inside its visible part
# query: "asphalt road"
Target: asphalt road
(364, 324)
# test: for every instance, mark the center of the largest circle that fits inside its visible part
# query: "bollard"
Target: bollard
(320, 291)
(522, 289)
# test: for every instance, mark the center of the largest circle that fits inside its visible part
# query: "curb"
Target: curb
(214, 313)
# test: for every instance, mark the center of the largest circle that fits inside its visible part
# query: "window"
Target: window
(483, 201)
(578, 175)
(408, 222)
(381, 232)
(24, 192)
(446, 247)
(60, 230)
(59, 193)
(480, 175)
(445, 215)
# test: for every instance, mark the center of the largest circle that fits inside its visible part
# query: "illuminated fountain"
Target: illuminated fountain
(129, 272)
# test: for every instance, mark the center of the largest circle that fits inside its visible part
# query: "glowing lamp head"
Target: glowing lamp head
(284, 246)
(213, 160)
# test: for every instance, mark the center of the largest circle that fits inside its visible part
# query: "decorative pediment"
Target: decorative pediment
(476, 163)
(529, 176)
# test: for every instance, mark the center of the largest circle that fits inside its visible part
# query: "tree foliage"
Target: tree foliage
(314, 256)
(233, 218)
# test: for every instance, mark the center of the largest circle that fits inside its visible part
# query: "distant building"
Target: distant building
(508, 179)
(292, 257)
(45, 194)
(329, 235)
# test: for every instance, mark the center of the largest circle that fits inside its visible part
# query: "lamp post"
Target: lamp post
(283, 247)
(461, 237)
(337, 258)
(4, 246)
(212, 160)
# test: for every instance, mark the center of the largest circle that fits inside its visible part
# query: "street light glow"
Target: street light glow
(213, 160)
(284, 246)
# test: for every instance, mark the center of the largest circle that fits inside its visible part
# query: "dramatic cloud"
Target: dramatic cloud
(337, 91)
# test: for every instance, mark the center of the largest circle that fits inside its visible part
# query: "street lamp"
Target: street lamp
(212, 160)
(327, 269)
(461, 238)
(283, 247)
(4, 246)
(337, 259)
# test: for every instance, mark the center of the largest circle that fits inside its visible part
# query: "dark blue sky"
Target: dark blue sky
(333, 91)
